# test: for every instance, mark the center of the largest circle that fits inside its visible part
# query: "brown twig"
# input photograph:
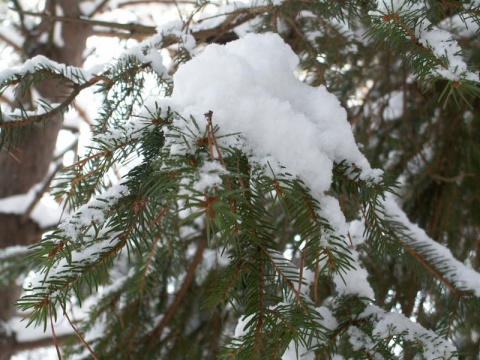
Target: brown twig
(42, 191)
(197, 258)
(55, 340)
(134, 28)
(166, 2)
(79, 335)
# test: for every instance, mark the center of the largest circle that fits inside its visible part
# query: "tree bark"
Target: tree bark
(28, 162)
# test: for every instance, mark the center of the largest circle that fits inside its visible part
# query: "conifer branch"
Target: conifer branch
(428, 266)
(197, 258)
(54, 336)
(29, 120)
(82, 339)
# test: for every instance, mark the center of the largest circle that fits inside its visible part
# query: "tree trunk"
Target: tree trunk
(28, 162)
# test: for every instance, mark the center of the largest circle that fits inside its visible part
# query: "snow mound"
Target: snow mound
(250, 86)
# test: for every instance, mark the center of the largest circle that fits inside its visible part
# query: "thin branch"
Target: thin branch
(35, 344)
(83, 114)
(55, 340)
(72, 146)
(78, 334)
(157, 332)
(133, 28)
(42, 191)
(19, 10)
(10, 42)
(233, 20)
(166, 2)
(57, 110)
(7, 101)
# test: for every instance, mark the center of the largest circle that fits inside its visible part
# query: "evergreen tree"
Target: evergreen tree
(222, 207)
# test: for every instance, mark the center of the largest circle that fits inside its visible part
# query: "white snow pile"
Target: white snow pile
(250, 86)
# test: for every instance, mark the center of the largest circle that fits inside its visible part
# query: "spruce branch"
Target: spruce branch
(82, 339)
(429, 267)
(197, 258)
(64, 105)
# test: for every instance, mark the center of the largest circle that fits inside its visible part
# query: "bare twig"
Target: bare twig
(197, 258)
(55, 340)
(165, 2)
(134, 28)
(42, 191)
(79, 335)
(10, 42)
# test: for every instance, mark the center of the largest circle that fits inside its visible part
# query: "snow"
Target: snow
(176, 28)
(299, 351)
(440, 42)
(354, 281)
(147, 52)
(209, 176)
(94, 211)
(87, 7)
(45, 213)
(391, 323)
(462, 276)
(75, 74)
(11, 36)
(250, 86)
(359, 339)
(356, 231)
(12, 251)
(460, 27)
(242, 323)
(17, 325)
(394, 108)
